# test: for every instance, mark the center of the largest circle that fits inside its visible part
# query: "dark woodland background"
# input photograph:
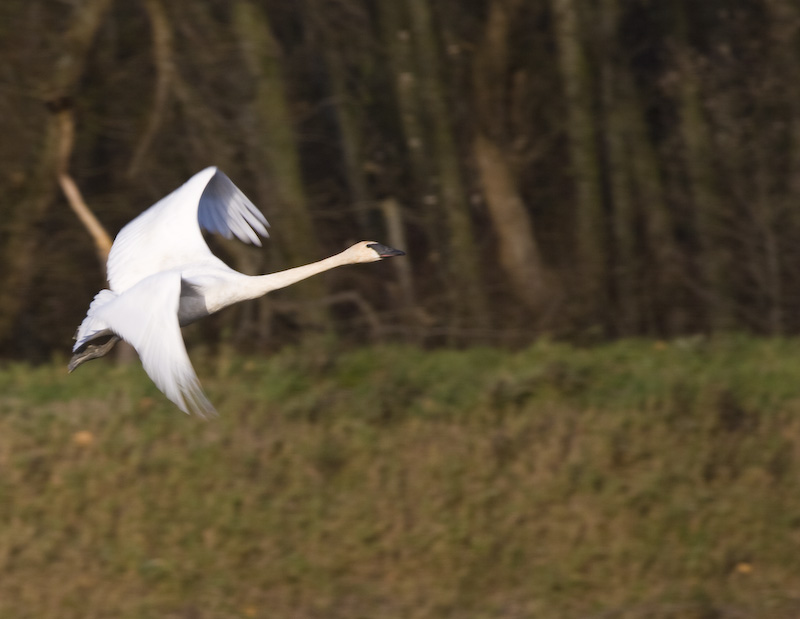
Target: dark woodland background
(577, 169)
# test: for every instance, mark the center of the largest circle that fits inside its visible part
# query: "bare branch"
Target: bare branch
(101, 238)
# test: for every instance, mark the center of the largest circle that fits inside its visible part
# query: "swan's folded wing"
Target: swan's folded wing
(146, 316)
(167, 235)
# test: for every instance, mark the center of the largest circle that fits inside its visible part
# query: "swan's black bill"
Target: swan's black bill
(384, 251)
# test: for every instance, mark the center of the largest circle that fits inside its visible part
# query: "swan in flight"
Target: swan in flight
(162, 276)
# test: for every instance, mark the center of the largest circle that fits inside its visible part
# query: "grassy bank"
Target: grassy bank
(633, 480)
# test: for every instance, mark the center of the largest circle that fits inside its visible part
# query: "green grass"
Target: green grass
(632, 480)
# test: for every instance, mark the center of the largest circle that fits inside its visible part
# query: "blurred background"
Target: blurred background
(576, 396)
(617, 168)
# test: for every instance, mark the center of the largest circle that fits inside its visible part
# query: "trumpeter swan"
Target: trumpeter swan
(162, 276)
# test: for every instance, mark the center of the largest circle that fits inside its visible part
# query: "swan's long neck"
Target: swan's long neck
(260, 285)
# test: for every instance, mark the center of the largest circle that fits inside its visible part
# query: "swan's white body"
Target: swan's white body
(162, 276)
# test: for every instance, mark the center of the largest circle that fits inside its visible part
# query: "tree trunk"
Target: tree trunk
(19, 257)
(467, 286)
(349, 137)
(713, 259)
(77, 43)
(274, 147)
(778, 188)
(590, 224)
(519, 253)
(661, 274)
(396, 34)
(622, 203)
(163, 59)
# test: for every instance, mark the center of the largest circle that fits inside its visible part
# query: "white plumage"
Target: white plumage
(162, 276)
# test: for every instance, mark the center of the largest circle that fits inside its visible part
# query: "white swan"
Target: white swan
(162, 276)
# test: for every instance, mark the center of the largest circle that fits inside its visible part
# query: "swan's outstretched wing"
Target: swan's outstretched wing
(224, 209)
(146, 316)
(167, 235)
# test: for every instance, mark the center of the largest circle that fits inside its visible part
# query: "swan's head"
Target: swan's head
(371, 251)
